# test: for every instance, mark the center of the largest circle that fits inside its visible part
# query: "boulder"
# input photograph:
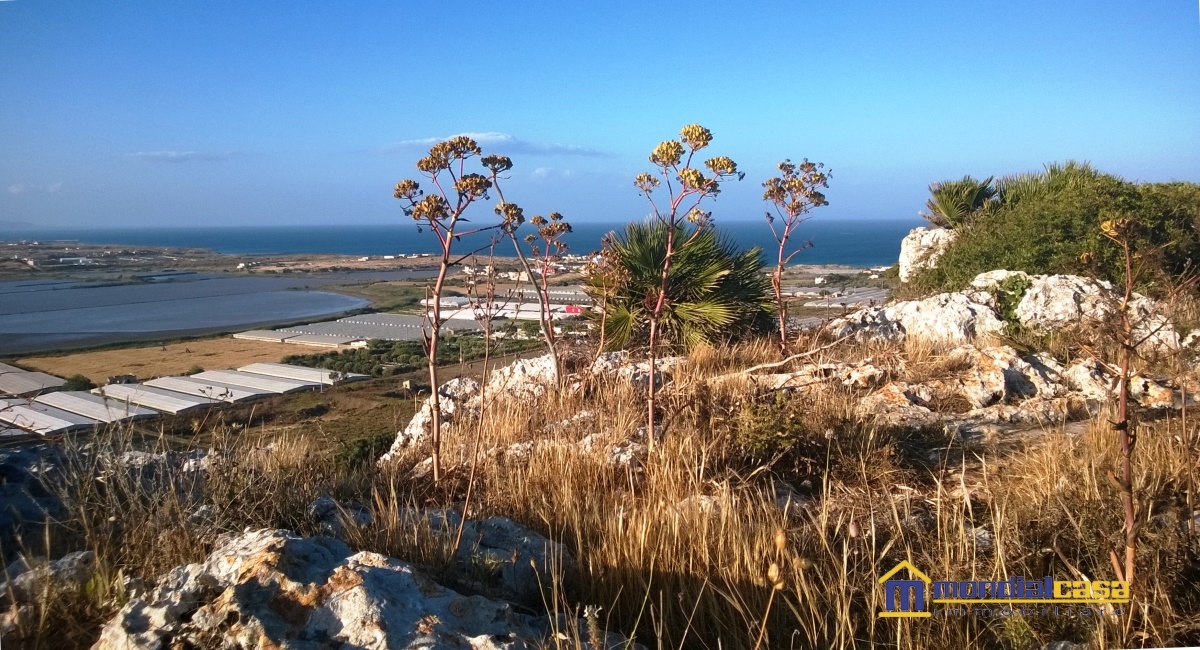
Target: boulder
(1151, 394)
(620, 366)
(272, 589)
(921, 248)
(896, 406)
(1087, 377)
(457, 398)
(952, 318)
(523, 378)
(1055, 302)
(333, 516)
(507, 560)
(27, 577)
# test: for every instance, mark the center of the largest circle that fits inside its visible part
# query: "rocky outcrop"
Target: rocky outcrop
(457, 399)
(999, 387)
(921, 248)
(621, 367)
(272, 589)
(996, 299)
(524, 379)
(951, 318)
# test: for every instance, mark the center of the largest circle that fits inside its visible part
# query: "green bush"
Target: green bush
(78, 382)
(382, 358)
(1044, 223)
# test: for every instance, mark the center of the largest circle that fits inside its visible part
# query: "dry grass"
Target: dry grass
(679, 550)
(158, 360)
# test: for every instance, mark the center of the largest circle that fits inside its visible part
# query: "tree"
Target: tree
(687, 187)
(442, 212)
(953, 203)
(792, 195)
(713, 291)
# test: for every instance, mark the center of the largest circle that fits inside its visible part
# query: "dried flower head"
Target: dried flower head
(408, 189)
(432, 208)
(472, 186)
(497, 164)
(1119, 228)
(695, 136)
(781, 542)
(511, 214)
(721, 166)
(775, 576)
(668, 153)
(692, 179)
(646, 182)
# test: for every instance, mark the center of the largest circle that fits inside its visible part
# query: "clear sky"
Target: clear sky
(227, 112)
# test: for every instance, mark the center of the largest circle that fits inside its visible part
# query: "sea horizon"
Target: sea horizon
(850, 242)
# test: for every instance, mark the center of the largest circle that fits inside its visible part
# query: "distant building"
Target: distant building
(819, 280)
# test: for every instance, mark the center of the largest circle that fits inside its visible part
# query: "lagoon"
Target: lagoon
(46, 315)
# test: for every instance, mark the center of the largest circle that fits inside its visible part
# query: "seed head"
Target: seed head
(775, 576)
(695, 136)
(780, 540)
(668, 153)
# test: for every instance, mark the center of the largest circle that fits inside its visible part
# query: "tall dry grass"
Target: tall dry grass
(678, 549)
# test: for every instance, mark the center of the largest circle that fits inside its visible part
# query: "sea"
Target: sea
(850, 242)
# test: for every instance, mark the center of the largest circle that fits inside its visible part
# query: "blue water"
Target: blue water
(48, 314)
(849, 242)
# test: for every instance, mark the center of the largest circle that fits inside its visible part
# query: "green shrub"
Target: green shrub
(1008, 294)
(78, 382)
(1043, 224)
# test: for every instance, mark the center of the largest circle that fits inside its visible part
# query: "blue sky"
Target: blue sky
(223, 112)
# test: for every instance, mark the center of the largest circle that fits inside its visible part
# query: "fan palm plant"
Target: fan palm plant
(713, 291)
(1055, 179)
(952, 203)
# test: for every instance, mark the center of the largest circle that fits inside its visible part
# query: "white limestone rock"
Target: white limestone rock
(1088, 378)
(948, 317)
(459, 397)
(523, 378)
(270, 588)
(921, 248)
(26, 578)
